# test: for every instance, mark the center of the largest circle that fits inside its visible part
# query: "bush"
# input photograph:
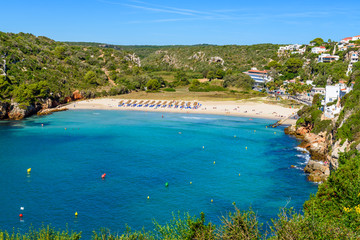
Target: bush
(169, 90)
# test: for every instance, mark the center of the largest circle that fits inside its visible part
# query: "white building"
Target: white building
(260, 77)
(318, 50)
(356, 38)
(354, 58)
(317, 90)
(310, 82)
(327, 58)
(333, 94)
(346, 40)
(289, 48)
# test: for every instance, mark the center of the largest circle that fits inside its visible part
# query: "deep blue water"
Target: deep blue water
(140, 152)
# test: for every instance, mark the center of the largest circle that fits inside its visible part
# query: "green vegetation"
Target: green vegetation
(310, 117)
(35, 69)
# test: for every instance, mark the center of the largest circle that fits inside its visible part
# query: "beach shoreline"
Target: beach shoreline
(228, 108)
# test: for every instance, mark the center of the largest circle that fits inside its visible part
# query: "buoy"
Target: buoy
(179, 132)
(162, 116)
(234, 136)
(29, 170)
(214, 162)
(42, 124)
(20, 215)
(103, 176)
(190, 182)
(292, 166)
(65, 128)
(212, 200)
(148, 197)
(254, 130)
(266, 126)
(76, 214)
(234, 203)
(274, 132)
(166, 184)
(246, 148)
(203, 147)
(239, 174)
(21, 208)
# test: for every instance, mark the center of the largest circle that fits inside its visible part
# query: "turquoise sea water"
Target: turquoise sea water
(140, 152)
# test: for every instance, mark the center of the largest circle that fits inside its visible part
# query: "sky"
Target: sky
(182, 22)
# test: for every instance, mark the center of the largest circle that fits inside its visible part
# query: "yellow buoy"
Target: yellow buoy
(274, 132)
(211, 200)
(234, 136)
(214, 162)
(254, 130)
(29, 170)
(246, 148)
(239, 174)
(266, 126)
(76, 214)
(190, 182)
(203, 147)
(148, 197)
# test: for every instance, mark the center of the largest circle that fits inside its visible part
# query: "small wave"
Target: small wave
(96, 113)
(304, 156)
(198, 118)
(300, 149)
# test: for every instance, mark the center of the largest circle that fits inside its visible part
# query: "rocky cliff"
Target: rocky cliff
(323, 149)
(318, 166)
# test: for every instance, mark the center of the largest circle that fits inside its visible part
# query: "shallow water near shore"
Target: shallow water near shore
(202, 157)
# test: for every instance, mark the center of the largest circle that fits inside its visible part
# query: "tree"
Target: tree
(211, 75)
(293, 65)
(274, 64)
(240, 80)
(60, 52)
(182, 78)
(317, 41)
(152, 85)
(90, 77)
(220, 74)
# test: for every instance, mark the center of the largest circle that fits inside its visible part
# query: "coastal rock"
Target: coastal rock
(318, 172)
(77, 95)
(18, 112)
(47, 104)
(3, 110)
(51, 110)
(337, 149)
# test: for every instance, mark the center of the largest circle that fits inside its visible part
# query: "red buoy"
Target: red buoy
(103, 176)
(20, 215)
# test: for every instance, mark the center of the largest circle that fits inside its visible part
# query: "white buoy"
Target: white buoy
(21, 208)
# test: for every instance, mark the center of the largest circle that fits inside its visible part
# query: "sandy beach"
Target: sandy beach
(233, 108)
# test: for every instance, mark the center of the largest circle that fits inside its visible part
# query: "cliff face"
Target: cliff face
(318, 167)
(323, 150)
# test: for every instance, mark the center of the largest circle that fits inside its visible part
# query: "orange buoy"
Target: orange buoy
(20, 215)
(103, 176)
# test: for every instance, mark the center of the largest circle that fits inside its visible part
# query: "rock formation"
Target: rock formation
(134, 59)
(216, 60)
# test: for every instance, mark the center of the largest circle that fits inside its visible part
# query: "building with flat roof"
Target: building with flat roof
(260, 77)
(327, 58)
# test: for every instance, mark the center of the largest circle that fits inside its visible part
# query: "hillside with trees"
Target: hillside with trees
(37, 72)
